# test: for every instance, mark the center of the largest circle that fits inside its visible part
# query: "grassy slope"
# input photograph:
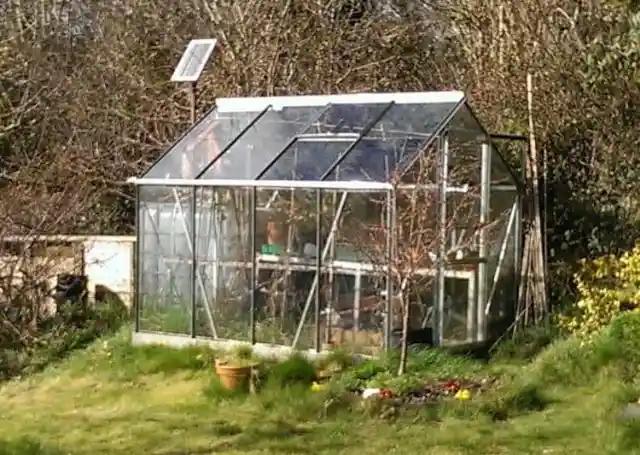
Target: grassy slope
(115, 399)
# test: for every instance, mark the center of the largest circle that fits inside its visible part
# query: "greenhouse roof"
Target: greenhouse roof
(340, 140)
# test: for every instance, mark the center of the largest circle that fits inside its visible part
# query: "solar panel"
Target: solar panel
(193, 60)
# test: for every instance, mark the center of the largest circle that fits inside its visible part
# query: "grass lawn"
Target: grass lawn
(117, 399)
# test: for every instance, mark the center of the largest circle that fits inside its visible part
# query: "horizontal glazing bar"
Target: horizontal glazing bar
(280, 184)
(280, 102)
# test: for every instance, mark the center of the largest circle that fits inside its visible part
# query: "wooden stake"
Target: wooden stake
(538, 255)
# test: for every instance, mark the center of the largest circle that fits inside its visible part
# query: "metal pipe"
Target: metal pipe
(137, 270)
(485, 207)
(254, 271)
(438, 317)
(318, 268)
(508, 137)
(194, 262)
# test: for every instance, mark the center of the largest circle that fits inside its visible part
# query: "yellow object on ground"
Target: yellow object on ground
(463, 394)
(315, 387)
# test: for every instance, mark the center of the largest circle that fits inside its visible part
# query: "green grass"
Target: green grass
(113, 398)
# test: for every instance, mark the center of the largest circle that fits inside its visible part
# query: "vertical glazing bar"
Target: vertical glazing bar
(194, 262)
(254, 271)
(356, 302)
(390, 224)
(485, 194)
(319, 248)
(137, 259)
(438, 314)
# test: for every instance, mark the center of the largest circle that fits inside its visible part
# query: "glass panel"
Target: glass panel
(224, 263)
(306, 160)
(320, 145)
(393, 143)
(344, 120)
(460, 299)
(358, 219)
(286, 261)
(355, 318)
(501, 279)
(262, 142)
(508, 161)
(165, 278)
(466, 137)
(500, 172)
(502, 203)
(462, 263)
(191, 154)
(353, 283)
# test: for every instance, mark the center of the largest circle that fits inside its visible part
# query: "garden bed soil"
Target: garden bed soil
(434, 392)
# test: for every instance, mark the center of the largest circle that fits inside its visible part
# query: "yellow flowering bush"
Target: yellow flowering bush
(606, 286)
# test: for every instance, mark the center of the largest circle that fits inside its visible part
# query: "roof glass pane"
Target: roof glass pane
(262, 142)
(306, 160)
(198, 147)
(393, 143)
(323, 142)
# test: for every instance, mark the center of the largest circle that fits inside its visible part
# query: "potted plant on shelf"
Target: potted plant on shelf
(236, 367)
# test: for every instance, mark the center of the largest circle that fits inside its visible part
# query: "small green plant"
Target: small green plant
(513, 399)
(239, 356)
(26, 446)
(524, 345)
(296, 370)
(337, 360)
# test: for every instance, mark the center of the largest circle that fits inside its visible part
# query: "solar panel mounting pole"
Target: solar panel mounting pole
(192, 101)
(189, 70)
(191, 66)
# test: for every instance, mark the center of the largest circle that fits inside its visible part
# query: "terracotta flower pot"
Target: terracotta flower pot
(233, 377)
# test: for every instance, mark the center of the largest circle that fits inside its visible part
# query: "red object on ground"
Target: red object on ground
(384, 393)
(452, 386)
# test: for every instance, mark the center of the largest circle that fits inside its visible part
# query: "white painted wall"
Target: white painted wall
(108, 261)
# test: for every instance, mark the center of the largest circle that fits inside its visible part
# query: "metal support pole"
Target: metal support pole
(485, 195)
(254, 271)
(318, 268)
(357, 291)
(438, 314)
(194, 262)
(192, 102)
(390, 225)
(137, 258)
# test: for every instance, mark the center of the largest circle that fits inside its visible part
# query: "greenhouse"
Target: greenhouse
(313, 222)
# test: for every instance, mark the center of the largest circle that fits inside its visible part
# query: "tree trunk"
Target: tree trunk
(404, 343)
